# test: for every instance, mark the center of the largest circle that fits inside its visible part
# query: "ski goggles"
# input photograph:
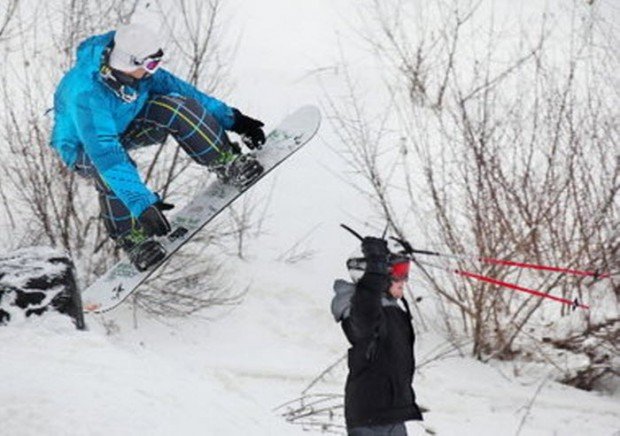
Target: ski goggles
(150, 63)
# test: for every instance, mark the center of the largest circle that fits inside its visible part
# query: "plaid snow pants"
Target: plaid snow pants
(191, 125)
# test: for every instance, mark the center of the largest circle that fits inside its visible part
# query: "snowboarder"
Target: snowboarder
(117, 98)
(379, 397)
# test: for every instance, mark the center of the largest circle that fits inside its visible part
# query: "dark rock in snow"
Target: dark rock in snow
(37, 279)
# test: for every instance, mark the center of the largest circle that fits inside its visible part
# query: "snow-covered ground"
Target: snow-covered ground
(225, 372)
(228, 374)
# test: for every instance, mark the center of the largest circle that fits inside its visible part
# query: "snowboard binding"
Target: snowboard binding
(144, 253)
(147, 254)
(241, 171)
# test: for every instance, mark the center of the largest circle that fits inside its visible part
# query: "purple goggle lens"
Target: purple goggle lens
(151, 65)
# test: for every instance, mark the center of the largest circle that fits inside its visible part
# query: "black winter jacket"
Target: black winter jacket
(378, 390)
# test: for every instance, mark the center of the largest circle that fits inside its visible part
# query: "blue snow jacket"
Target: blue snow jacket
(89, 118)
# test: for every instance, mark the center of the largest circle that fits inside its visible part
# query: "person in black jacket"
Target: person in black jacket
(379, 396)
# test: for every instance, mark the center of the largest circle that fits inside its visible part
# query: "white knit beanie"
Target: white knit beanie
(132, 43)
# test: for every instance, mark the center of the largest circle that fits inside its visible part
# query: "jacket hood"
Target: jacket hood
(89, 52)
(341, 303)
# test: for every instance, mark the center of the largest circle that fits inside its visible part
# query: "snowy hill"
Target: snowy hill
(227, 375)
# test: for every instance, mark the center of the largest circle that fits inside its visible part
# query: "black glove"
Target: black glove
(153, 220)
(376, 252)
(249, 128)
(164, 206)
(375, 248)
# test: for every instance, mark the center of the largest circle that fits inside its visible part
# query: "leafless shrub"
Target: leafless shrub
(599, 342)
(317, 410)
(508, 148)
(299, 252)
(241, 219)
(197, 39)
(7, 13)
(180, 290)
(529, 405)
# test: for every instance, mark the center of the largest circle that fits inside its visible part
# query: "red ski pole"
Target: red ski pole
(576, 272)
(573, 303)
(489, 260)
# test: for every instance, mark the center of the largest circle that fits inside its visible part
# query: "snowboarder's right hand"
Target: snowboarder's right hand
(249, 128)
(153, 220)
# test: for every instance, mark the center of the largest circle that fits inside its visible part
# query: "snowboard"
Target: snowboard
(112, 288)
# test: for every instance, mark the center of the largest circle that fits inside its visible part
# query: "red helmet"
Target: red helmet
(399, 268)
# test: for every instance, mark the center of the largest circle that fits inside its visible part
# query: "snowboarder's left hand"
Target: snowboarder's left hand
(250, 128)
(161, 205)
